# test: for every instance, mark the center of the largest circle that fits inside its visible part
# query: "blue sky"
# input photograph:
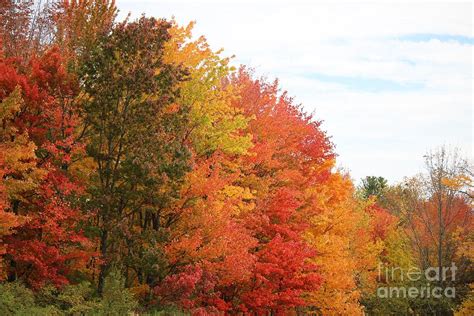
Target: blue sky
(462, 39)
(365, 84)
(390, 81)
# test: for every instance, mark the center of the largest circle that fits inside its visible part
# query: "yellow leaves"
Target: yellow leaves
(17, 152)
(239, 199)
(83, 169)
(467, 307)
(397, 249)
(457, 182)
(11, 104)
(233, 191)
(465, 244)
(180, 50)
(462, 182)
(20, 161)
(338, 232)
(216, 124)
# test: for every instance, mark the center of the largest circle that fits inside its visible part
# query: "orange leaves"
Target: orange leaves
(340, 231)
(209, 231)
(8, 221)
(79, 24)
(180, 50)
(286, 141)
(383, 221)
(242, 217)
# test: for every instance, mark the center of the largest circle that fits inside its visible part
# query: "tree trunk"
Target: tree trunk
(105, 266)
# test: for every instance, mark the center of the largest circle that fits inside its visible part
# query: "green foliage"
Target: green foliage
(16, 299)
(171, 311)
(116, 299)
(373, 186)
(79, 299)
(135, 134)
(75, 299)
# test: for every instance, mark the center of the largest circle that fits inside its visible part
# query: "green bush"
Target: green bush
(78, 299)
(16, 299)
(116, 299)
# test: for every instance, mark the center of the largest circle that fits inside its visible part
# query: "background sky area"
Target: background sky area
(390, 81)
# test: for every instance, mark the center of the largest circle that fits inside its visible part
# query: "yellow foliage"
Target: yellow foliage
(467, 306)
(18, 152)
(346, 255)
(215, 124)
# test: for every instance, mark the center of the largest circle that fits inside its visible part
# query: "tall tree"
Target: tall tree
(437, 217)
(285, 161)
(26, 27)
(451, 208)
(38, 135)
(134, 133)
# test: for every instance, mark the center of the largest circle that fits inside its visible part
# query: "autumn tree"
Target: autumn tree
(15, 20)
(441, 165)
(435, 214)
(38, 136)
(348, 235)
(134, 133)
(287, 158)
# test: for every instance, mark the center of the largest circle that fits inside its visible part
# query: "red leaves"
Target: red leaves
(180, 287)
(282, 272)
(48, 242)
(456, 219)
(288, 148)
(245, 252)
(281, 276)
(284, 136)
(282, 206)
(383, 221)
(194, 289)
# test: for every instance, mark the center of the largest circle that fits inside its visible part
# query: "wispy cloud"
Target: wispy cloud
(469, 40)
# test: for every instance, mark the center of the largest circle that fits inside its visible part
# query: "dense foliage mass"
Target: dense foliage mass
(140, 172)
